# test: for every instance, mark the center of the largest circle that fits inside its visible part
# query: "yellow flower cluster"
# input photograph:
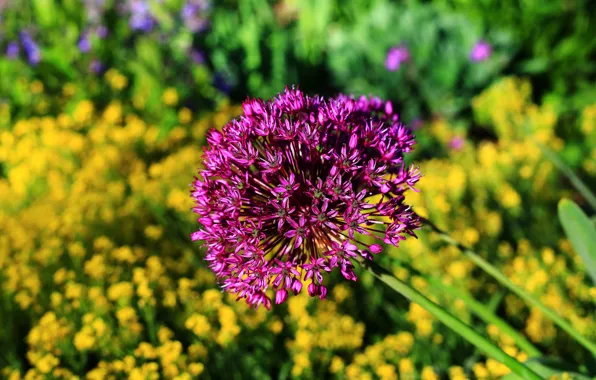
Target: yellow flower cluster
(479, 194)
(95, 254)
(92, 209)
(324, 330)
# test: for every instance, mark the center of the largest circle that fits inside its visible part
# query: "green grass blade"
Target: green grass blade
(569, 173)
(497, 275)
(581, 233)
(487, 316)
(449, 320)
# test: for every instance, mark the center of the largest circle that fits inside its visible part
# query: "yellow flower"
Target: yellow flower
(337, 365)
(46, 363)
(196, 369)
(153, 232)
(428, 373)
(386, 372)
(184, 116)
(170, 97)
(36, 87)
(198, 324)
(84, 339)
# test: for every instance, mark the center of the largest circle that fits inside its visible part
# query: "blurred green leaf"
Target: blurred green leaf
(56, 58)
(534, 66)
(148, 52)
(581, 232)
(45, 12)
(547, 367)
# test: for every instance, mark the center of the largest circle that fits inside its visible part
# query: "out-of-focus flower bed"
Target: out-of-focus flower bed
(99, 278)
(104, 106)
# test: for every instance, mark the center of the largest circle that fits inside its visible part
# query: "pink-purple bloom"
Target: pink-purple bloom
(298, 186)
(12, 50)
(84, 44)
(396, 56)
(31, 48)
(194, 14)
(481, 51)
(457, 143)
(141, 17)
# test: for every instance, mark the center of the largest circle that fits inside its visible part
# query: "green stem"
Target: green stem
(488, 316)
(448, 319)
(497, 275)
(569, 173)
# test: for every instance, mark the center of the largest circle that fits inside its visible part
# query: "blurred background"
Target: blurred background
(104, 106)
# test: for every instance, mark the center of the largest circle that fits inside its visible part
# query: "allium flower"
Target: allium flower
(481, 51)
(396, 56)
(301, 185)
(12, 50)
(194, 14)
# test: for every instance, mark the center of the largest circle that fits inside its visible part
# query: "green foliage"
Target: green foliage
(581, 232)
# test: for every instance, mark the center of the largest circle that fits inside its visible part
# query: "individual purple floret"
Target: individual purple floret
(396, 56)
(31, 48)
(298, 186)
(481, 51)
(193, 14)
(12, 50)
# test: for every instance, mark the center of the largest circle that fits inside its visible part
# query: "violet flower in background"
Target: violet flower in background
(101, 31)
(141, 18)
(95, 66)
(457, 143)
(84, 44)
(221, 83)
(12, 50)
(481, 51)
(197, 56)
(289, 187)
(193, 14)
(416, 124)
(31, 48)
(396, 56)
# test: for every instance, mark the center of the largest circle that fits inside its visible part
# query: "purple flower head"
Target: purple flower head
(141, 18)
(396, 56)
(457, 143)
(31, 48)
(288, 190)
(481, 51)
(12, 50)
(197, 56)
(95, 66)
(84, 44)
(102, 31)
(194, 14)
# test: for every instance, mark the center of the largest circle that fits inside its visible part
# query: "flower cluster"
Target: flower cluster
(298, 186)
(194, 14)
